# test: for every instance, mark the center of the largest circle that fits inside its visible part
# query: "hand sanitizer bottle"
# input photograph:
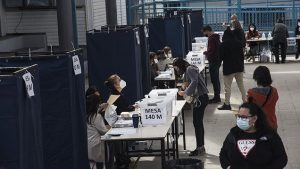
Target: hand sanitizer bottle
(263, 36)
(269, 35)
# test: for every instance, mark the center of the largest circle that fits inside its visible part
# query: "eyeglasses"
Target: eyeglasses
(243, 117)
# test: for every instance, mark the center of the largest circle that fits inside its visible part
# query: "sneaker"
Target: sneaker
(198, 152)
(225, 107)
(214, 100)
(297, 56)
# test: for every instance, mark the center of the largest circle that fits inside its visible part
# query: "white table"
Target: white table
(150, 133)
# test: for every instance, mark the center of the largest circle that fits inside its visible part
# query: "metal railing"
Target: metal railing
(263, 13)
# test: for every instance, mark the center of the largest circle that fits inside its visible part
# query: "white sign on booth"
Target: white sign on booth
(29, 84)
(196, 58)
(155, 111)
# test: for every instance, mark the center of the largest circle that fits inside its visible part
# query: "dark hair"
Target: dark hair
(167, 49)
(279, 20)
(228, 35)
(254, 110)
(262, 76)
(152, 55)
(206, 28)
(92, 104)
(161, 55)
(181, 64)
(91, 90)
(252, 25)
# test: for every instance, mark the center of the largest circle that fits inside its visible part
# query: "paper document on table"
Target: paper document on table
(112, 99)
(122, 131)
(164, 76)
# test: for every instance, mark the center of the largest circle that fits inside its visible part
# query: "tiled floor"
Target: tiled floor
(286, 79)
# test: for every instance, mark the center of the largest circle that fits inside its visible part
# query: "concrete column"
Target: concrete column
(111, 12)
(67, 24)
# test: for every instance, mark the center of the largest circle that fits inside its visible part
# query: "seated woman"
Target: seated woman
(252, 143)
(116, 85)
(95, 127)
(153, 67)
(162, 61)
(168, 54)
(251, 34)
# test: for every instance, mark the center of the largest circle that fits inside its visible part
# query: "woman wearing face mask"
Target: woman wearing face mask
(153, 67)
(196, 88)
(116, 85)
(297, 34)
(168, 54)
(162, 61)
(251, 34)
(252, 144)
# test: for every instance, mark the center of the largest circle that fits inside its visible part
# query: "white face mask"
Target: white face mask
(155, 61)
(251, 29)
(298, 23)
(122, 84)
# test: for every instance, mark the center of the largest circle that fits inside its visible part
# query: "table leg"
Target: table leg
(176, 139)
(106, 155)
(168, 146)
(183, 129)
(163, 153)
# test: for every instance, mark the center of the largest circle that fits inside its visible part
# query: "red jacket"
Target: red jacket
(212, 53)
(259, 96)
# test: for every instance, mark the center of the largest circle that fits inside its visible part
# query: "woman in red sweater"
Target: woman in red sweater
(264, 95)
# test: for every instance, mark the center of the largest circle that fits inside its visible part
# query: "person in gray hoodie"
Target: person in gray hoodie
(279, 34)
(194, 87)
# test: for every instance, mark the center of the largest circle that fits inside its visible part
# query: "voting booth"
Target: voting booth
(62, 92)
(116, 51)
(167, 32)
(145, 61)
(20, 118)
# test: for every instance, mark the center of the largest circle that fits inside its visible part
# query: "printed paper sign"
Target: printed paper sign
(196, 58)
(29, 84)
(245, 146)
(137, 37)
(155, 115)
(76, 65)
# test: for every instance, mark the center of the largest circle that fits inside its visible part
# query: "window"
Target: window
(36, 3)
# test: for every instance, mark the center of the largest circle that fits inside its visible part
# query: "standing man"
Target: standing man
(280, 33)
(212, 55)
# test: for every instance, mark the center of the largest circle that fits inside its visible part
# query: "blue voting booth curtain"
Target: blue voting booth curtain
(144, 46)
(63, 109)
(116, 52)
(196, 23)
(167, 32)
(20, 120)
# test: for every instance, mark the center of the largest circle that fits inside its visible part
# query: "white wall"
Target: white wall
(121, 12)
(96, 14)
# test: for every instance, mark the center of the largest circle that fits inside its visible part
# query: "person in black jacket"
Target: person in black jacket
(232, 55)
(279, 34)
(252, 144)
(297, 34)
(116, 85)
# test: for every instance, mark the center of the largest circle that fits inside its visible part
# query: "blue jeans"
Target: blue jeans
(214, 76)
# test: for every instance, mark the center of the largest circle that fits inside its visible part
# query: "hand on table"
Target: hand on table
(103, 106)
(181, 93)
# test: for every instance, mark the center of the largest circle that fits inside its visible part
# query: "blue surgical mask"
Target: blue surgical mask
(243, 124)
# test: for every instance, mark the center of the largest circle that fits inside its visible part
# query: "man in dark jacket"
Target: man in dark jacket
(280, 33)
(232, 55)
(212, 55)
(297, 34)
